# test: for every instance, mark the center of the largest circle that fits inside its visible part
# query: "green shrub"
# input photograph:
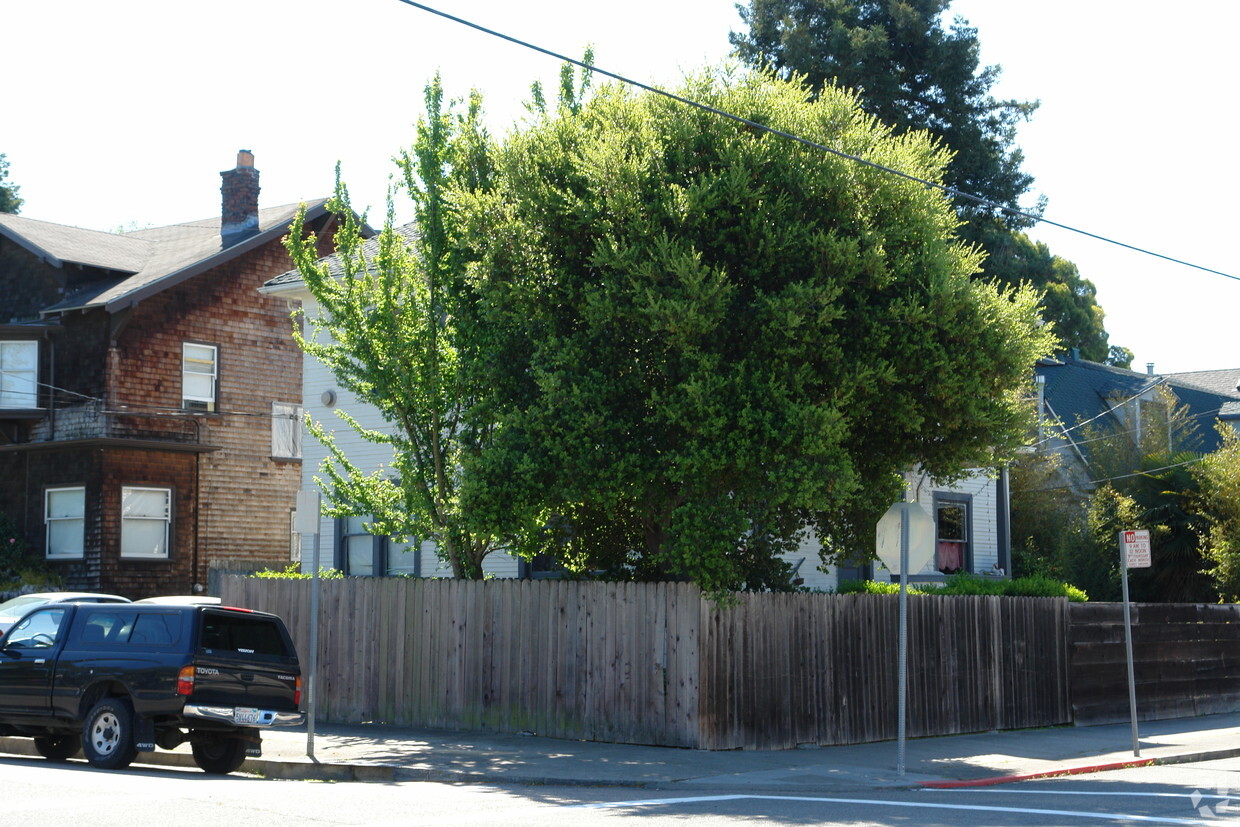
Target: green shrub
(972, 584)
(1039, 585)
(293, 572)
(879, 587)
(19, 565)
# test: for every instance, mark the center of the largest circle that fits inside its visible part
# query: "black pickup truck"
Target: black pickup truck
(113, 680)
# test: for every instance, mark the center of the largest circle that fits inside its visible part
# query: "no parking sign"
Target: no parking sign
(1135, 546)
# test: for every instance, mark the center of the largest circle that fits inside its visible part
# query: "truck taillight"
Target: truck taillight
(185, 680)
(297, 693)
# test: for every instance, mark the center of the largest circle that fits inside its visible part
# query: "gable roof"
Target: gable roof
(1077, 390)
(146, 262)
(369, 250)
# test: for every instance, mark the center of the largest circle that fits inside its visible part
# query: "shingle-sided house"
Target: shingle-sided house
(972, 515)
(150, 395)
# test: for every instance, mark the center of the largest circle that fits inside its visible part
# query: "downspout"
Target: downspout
(194, 583)
(51, 386)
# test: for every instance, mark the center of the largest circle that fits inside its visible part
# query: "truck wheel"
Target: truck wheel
(58, 747)
(107, 736)
(219, 756)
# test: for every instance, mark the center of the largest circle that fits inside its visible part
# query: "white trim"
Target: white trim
(59, 520)
(160, 550)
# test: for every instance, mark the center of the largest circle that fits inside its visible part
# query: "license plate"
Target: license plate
(246, 715)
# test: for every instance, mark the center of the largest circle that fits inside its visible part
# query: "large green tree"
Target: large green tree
(915, 73)
(9, 201)
(1147, 476)
(394, 329)
(707, 338)
(1219, 478)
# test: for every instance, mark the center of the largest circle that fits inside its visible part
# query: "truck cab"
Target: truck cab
(113, 680)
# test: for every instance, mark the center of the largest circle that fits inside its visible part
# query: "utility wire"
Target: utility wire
(814, 144)
(1150, 472)
(1144, 389)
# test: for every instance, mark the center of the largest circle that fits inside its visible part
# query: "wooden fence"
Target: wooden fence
(659, 664)
(1186, 660)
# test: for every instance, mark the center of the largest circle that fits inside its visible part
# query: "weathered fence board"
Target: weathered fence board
(659, 664)
(1185, 660)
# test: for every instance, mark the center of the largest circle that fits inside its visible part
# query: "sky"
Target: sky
(123, 114)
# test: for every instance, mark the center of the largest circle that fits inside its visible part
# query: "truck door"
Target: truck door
(28, 659)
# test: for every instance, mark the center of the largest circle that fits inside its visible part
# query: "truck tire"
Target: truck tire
(107, 735)
(219, 756)
(58, 747)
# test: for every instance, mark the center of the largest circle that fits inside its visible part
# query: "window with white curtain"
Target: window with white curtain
(19, 374)
(199, 370)
(285, 430)
(146, 514)
(64, 514)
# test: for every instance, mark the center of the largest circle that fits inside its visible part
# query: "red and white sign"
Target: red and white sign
(1135, 546)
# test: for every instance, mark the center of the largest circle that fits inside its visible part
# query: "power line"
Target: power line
(814, 144)
(1125, 476)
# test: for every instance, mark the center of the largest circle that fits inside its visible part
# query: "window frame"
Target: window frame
(49, 520)
(964, 502)
(382, 551)
(209, 403)
(166, 519)
(286, 415)
(6, 372)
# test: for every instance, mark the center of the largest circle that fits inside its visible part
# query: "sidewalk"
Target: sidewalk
(382, 753)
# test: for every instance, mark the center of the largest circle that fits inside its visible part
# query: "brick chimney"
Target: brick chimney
(239, 219)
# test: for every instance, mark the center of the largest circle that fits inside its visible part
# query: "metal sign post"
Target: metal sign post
(1134, 552)
(309, 510)
(904, 542)
(902, 660)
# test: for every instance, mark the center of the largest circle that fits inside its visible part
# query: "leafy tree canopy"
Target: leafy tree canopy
(393, 329)
(1219, 479)
(9, 200)
(707, 338)
(914, 73)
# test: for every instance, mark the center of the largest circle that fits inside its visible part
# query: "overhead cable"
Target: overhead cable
(805, 141)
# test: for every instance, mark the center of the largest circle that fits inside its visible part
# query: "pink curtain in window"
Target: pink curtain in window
(951, 556)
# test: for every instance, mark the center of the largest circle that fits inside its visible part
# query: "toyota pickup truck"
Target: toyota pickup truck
(113, 680)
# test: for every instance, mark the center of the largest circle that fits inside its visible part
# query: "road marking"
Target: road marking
(980, 808)
(1080, 792)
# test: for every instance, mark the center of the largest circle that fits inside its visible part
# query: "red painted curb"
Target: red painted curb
(1007, 779)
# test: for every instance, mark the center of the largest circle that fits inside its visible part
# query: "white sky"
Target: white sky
(125, 112)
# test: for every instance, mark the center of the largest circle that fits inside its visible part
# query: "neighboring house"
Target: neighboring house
(1079, 399)
(972, 516)
(150, 396)
(343, 543)
(972, 531)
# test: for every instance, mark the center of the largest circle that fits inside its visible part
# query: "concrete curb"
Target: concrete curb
(1033, 776)
(1167, 760)
(315, 770)
(307, 769)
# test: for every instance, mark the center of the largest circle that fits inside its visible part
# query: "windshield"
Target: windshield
(20, 605)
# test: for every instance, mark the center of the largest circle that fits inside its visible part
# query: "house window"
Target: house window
(64, 511)
(403, 558)
(146, 514)
(285, 430)
(199, 365)
(362, 554)
(357, 548)
(294, 546)
(952, 527)
(19, 370)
